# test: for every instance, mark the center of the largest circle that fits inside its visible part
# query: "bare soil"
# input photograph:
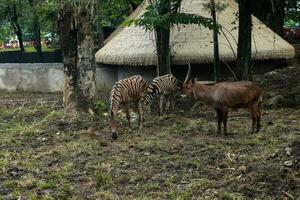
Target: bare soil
(44, 156)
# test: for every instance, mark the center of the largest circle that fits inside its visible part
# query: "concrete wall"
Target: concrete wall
(39, 77)
(148, 72)
(48, 77)
(106, 76)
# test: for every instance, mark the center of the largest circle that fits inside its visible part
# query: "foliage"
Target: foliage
(153, 19)
(160, 16)
(103, 178)
(219, 6)
(292, 10)
(5, 13)
(105, 13)
(5, 32)
(113, 13)
(48, 13)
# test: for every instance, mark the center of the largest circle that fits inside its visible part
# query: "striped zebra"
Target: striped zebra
(124, 92)
(163, 88)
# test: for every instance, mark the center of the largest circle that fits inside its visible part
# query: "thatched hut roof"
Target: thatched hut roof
(192, 43)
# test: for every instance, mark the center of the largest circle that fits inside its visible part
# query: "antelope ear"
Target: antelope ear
(194, 80)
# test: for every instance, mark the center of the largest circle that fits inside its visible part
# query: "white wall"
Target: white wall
(49, 77)
(37, 77)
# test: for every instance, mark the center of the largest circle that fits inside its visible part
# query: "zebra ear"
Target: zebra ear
(179, 85)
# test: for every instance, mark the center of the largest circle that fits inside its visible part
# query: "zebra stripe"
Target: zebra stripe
(162, 85)
(125, 91)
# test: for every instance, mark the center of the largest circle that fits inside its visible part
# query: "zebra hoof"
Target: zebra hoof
(114, 135)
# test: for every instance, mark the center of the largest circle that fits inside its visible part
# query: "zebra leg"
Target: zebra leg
(158, 106)
(172, 99)
(168, 103)
(113, 126)
(141, 113)
(127, 110)
(161, 105)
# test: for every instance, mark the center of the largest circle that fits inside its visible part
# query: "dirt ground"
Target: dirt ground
(43, 156)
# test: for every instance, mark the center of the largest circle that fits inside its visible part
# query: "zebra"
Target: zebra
(125, 92)
(162, 87)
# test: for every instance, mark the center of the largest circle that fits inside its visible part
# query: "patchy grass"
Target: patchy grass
(29, 49)
(43, 156)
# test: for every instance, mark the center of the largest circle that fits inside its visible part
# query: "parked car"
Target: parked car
(12, 44)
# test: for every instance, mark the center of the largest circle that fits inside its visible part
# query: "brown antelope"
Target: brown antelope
(225, 95)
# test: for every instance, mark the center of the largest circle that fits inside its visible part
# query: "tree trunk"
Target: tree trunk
(163, 41)
(14, 21)
(76, 34)
(68, 35)
(86, 59)
(278, 16)
(271, 12)
(244, 40)
(216, 43)
(36, 30)
(163, 51)
(37, 34)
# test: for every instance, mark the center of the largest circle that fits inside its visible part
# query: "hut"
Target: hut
(131, 50)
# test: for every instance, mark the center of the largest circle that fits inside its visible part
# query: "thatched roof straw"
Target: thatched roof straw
(192, 43)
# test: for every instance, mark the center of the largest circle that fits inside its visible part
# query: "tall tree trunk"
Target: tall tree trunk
(277, 16)
(244, 40)
(216, 43)
(163, 41)
(68, 35)
(37, 34)
(271, 12)
(36, 29)
(163, 51)
(86, 59)
(14, 21)
(75, 26)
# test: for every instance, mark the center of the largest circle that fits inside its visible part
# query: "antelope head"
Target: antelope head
(188, 84)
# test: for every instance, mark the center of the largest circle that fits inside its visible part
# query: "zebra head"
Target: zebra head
(151, 93)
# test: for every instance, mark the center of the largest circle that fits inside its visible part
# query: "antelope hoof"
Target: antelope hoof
(114, 135)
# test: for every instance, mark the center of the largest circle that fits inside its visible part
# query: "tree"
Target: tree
(278, 16)
(75, 25)
(160, 16)
(292, 9)
(10, 12)
(272, 13)
(216, 43)
(244, 40)
(162, 40)
(48, 15)
(5, 32)
(36, 29)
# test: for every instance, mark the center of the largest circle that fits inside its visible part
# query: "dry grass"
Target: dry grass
(43, 156)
